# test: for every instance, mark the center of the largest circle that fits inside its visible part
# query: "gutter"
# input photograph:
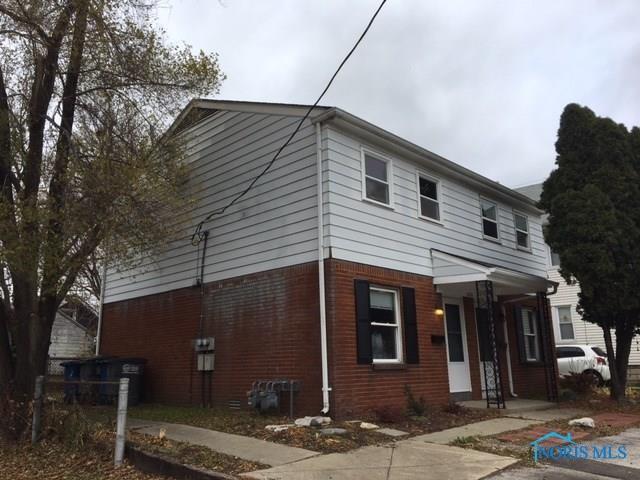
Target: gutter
(435, 161)
(322, 297)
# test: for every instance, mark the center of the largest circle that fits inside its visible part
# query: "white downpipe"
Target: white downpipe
(506, 339)
(102, 290)
(323, 313)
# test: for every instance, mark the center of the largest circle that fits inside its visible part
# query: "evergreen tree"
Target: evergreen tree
(593, 201)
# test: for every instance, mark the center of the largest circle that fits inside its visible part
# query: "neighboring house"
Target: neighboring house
(359, 265)
(72, 335)
(568, 324)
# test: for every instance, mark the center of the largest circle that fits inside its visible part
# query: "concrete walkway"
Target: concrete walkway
(247, 448)
(511, 421)
(406, 459)
(478, 429)
(425, 456)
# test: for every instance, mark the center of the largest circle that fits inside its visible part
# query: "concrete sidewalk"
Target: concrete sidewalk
(406, 459)
(247, 448)
(478, 429)
(494, 426)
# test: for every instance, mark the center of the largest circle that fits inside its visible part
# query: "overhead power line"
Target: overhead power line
(197, 234)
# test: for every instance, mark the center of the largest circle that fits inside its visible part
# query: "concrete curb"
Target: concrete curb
(161, 465)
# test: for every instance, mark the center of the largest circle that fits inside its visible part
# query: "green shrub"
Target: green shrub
(582, 383)
(415, 407)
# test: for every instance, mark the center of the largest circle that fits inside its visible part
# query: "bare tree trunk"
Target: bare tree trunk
(6, 357)
(616, 391)
(33, 337)
(624, 338)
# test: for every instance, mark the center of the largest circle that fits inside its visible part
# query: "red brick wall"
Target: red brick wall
(266, 326)
(528, 378)
(360, 389)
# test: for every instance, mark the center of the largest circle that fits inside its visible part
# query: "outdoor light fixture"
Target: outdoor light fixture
(439, 312)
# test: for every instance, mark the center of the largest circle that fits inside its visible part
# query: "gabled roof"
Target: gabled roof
(532, 191)
(342, 120)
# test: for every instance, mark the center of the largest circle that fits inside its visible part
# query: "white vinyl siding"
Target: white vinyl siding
(273, 226)
(584, 332)
(68, 339)
(399, 239)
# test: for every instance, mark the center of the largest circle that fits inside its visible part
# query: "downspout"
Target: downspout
(506, 339)
(103, 287)
(323, 313)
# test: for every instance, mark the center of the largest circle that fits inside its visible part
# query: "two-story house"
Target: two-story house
(360, 264)
(568, 325)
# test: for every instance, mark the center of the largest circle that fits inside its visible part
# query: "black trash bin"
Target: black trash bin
(72, 374)
(112, 369)
(90, 373)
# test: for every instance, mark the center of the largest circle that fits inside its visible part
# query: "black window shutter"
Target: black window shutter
(363, 322)
(482, 324)
(410, 325)
(539, 337)
(517, 316)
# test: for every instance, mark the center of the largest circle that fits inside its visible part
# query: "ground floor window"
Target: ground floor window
(530, 337)
(565, 323)
(385, 325)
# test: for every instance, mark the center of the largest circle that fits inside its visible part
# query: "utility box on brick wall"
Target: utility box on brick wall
(206, 362)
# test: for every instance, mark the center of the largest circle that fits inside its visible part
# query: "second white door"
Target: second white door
(457, 354)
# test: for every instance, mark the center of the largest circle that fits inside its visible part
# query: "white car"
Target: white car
(583, 359)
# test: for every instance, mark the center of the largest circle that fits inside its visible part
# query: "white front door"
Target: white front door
(458, 357)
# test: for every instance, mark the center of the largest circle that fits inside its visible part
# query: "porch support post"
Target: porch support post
(492, 381)
(546, 336)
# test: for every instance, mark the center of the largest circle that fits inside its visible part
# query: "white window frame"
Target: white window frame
(527, 232)
(551, 265)
(533, 334)
(573, 329)
(398, 326)
(426, 176)
(496, 221)
(389, 162)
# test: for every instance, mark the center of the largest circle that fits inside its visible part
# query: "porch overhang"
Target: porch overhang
(453, 270)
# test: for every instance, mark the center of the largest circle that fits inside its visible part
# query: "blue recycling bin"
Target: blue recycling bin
(72, 374)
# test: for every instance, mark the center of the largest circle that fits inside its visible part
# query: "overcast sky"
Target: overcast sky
(482, 83)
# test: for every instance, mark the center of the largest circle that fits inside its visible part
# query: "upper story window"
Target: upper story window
(555, 258)
(429, 197)
(521, 223)
(489, 219)
(377, 178)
